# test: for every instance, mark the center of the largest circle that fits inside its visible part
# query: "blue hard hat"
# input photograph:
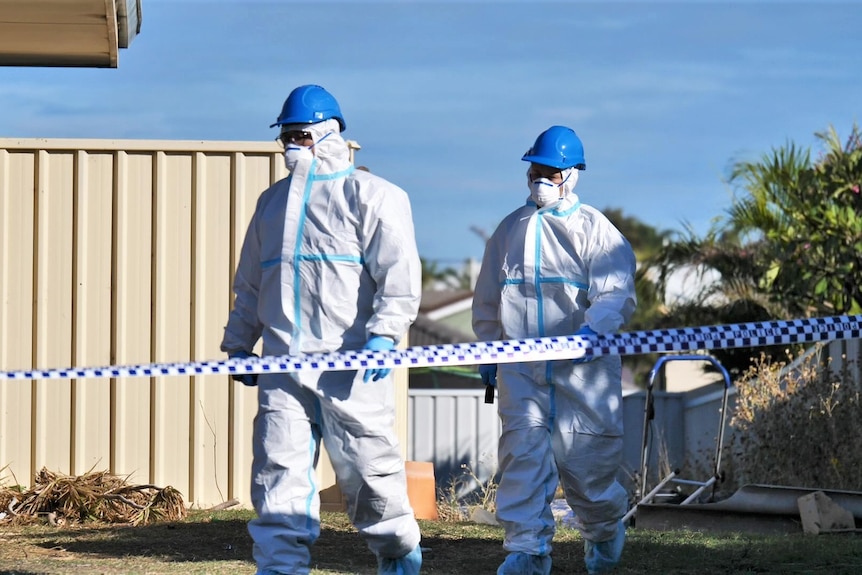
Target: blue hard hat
(309, 104)
(558, 147)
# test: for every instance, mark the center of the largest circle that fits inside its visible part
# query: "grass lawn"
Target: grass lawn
(218, 543)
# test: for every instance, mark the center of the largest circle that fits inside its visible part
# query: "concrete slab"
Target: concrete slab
(755, 508)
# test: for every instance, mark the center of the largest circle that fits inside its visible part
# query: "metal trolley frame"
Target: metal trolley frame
(649, 415)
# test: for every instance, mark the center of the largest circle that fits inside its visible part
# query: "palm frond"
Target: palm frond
(94, 496)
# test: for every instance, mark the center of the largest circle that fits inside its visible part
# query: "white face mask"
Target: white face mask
(544, 191)
(294, 154)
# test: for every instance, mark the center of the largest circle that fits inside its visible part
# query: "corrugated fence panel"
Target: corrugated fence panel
(132, 314)
(123, 252)
(54, 224)
(457, 431)
(91, 410)
(17, 214)
(172, 325)
(211, 297)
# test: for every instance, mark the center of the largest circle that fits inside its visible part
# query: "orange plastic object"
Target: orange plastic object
(422, 489)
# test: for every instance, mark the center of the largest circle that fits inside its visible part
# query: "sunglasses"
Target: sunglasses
(292, 136)
(538, 171)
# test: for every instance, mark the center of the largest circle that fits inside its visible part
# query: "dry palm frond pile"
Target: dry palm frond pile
(94, 496)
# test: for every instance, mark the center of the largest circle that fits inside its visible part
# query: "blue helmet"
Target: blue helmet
(309, 104)
(558, 147)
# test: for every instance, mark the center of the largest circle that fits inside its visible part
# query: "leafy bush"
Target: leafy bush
(797, 425)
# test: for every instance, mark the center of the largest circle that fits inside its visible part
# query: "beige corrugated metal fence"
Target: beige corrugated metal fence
(122, 252)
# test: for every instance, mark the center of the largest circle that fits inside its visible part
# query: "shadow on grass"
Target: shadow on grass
(457, 549)
(339, 549)
(181, 541)
(454, 549)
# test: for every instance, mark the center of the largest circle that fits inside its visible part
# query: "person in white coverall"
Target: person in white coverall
(554, 267)
(329, 264)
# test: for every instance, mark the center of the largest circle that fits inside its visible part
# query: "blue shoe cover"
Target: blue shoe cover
(525, 564)
(407, 565)
(605, 555)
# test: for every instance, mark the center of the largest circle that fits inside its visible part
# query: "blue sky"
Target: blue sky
(445, 97)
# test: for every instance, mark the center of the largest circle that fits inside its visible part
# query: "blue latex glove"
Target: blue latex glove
(249, 379)
(584, 331)
(488, 371)
(378, 343)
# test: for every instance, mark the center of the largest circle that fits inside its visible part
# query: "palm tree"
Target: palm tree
(807, 213)
(790, 245)
(434, 276)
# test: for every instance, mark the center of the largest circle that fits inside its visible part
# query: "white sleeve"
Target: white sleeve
(392, 259)
(243, 327)
(611, 292)
(486, 295)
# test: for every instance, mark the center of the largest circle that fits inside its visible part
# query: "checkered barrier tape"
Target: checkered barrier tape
(726, 336)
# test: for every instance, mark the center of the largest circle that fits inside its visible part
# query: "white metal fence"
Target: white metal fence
(459, 433)
(455, 429)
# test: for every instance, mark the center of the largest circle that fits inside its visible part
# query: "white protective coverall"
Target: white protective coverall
(329, 258)
(548, 272)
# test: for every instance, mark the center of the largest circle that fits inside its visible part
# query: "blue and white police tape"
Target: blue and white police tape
(754, 334)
